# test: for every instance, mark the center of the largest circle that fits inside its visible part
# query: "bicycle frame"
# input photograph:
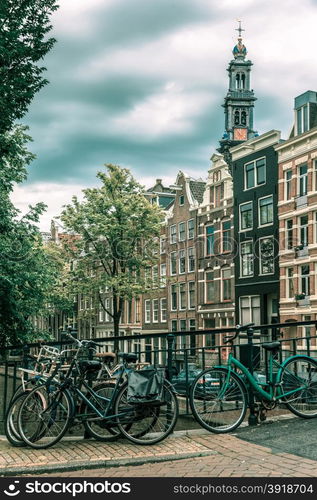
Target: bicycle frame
(274, 386)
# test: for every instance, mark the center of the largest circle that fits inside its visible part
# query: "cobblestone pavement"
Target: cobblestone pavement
(225, 456)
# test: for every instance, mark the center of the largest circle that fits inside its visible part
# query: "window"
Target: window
(163, 276)
(182, 262)
(191, 229)
(254, 173)
(219, 194)
(226, 284)
(191, 295)
(163, 310)
(155, 305)
(246, 258)
(302, 119)
(137, 310)
(290, 282)
(289, 234)
(266, 210)
(191, 259)
(210, 240)
(108, 310)
(226, 244)
(302, 180)
(210, 339)
(303, 230)
(181, 231)
(288, 184)
(210, 287)
(305, 280)
(129, 311)
(173, 235)
(192, 327)
(315, 174)
(147, 307)
(101, 314)
(174, 325)
(182, 295)
(174, 297)
(181, 200)
(246, 216)
(250, 311)
(315, 227)
(173, 263)
(162, 244)
(266, 255)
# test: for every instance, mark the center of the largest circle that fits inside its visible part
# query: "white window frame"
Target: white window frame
(179, 231)
(147, 311)
(192, 249)
(307, 279)
(173, 235)
(181, 255)
(299, 177)
(240, 218)
(241, 259)
(259, 211)
(182, 286)
(175, 260)
(191, 229)
(255, 174)
(288, 183)
(107, 306)
(289, 295)
(222, 284)
(171, 295)
(155, 310)
(270, 237)
(163, 274)
(189, 306)
(162, 309)
(250, 306)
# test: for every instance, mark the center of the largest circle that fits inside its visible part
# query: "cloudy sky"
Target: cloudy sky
(140, 83)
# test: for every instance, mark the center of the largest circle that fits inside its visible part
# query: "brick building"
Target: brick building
(297, 212)
(215, 252)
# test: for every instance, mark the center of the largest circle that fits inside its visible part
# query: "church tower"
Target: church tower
(239, 101)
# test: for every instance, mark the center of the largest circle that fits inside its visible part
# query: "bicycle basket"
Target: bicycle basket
(146, 386)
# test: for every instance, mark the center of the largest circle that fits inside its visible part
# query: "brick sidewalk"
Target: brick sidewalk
(195, 454)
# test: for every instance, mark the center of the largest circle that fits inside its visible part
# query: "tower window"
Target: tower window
(240, 117)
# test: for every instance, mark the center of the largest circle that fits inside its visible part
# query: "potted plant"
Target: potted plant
(300, 296)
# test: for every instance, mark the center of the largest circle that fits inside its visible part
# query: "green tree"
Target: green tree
(119, 231)
(24, 25)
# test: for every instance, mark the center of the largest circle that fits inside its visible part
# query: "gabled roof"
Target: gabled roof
(197, 189)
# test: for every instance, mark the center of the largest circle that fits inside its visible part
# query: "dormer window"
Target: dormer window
(181, 200)
(302, 120)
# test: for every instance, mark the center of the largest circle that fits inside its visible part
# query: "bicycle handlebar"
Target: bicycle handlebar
(239, 328)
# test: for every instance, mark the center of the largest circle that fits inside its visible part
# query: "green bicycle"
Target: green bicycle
(219, 396)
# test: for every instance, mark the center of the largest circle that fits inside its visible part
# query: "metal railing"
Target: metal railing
(183, 354)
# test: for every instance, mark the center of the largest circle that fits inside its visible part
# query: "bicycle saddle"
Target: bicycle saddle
(130, 357)
(105, 355)
(90, 365)
(272, 346)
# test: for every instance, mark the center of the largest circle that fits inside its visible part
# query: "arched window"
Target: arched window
(238, 81)
(243, 117)
(237, 117)
(242, 81)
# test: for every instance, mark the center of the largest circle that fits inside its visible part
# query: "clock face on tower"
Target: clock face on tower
(240, 134)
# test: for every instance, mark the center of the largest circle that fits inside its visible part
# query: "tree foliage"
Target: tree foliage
(119, 231)
(24, 267)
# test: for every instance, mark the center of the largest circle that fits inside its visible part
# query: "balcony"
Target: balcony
(301, 201)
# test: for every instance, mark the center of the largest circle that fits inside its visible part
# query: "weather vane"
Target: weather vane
(239, 29)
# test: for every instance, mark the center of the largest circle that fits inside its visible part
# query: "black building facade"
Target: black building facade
(255, 182)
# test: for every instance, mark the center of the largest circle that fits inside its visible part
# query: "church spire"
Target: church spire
(239, 101)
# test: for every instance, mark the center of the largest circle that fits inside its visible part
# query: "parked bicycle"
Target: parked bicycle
(221, 406)
(46, 413)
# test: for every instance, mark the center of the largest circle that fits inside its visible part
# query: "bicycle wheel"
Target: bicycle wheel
(300, 375)
(95, 426)
(218, 400)
(146, 423)
(44, 416)
(11, 420)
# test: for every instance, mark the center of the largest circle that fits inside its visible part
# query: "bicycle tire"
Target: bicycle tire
(295, 373)
(96, 427)
(10, 420)
(213, 405)
(146, 424)
(44, 416)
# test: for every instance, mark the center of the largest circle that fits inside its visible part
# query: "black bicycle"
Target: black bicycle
(46, 413)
